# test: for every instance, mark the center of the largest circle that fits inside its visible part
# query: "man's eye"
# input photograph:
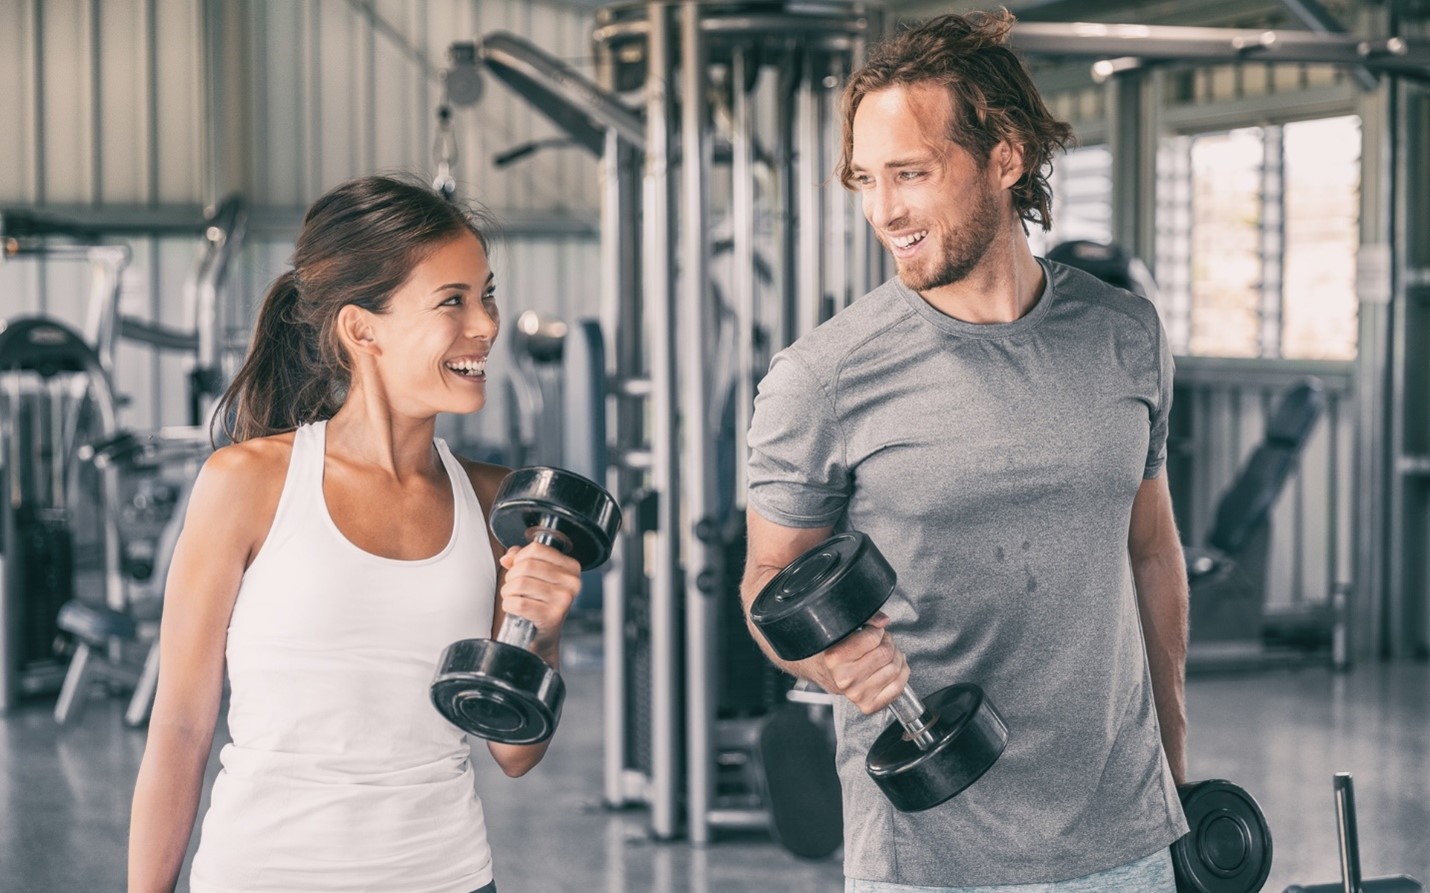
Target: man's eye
(909, 175)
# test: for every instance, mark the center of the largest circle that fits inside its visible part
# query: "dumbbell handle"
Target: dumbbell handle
(914, 717)
(516, 630)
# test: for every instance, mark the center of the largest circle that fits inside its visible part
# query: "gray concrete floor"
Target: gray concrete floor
(64, 793)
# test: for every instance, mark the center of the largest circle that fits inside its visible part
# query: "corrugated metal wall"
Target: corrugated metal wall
(139, 112)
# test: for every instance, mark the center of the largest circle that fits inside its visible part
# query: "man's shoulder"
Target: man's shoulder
(1078, 287)
(852, 329)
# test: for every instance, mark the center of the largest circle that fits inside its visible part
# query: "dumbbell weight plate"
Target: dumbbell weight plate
(498, 691)
(822, 596)
(1228, 849)
(969, 736)
(585, 513)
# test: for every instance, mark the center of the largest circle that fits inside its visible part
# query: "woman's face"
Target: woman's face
(437, 332)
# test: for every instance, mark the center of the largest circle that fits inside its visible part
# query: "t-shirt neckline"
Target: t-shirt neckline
(990, 331)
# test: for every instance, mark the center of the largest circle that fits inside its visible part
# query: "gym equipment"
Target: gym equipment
(54, 394)
(938, 746)
(1109, 262)
(535, 425)
(752, 88)
(1228, 849)
(499, 689)
(57, 395)
(796, 761)
(1230, 624)
(1349, 839)
(121, 647)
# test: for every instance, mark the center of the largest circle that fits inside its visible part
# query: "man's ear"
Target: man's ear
(356, 332)
(1008, 162)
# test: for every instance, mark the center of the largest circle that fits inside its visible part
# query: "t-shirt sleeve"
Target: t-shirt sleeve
(1157, 443)
(798, 475)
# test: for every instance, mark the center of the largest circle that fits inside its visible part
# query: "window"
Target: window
(1257, 238)
(1322, 238)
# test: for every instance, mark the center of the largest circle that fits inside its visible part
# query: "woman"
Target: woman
(327, 557)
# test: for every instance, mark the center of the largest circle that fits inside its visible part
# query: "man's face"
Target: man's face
(935, 207)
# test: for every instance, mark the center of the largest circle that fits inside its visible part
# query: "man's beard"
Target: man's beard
(960, 251)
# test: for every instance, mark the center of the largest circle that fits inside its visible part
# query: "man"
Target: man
(997, 425)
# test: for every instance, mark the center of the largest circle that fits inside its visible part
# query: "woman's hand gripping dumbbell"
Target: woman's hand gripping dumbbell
(498, 689)
(937, 746)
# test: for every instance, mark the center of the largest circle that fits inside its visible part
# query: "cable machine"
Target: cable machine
(723, 238)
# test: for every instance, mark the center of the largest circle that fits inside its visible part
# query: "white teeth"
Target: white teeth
(468, 367)
(906, 241)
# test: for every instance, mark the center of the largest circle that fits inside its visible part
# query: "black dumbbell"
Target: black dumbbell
(498, 689)
(939, 745)
(1228, 846)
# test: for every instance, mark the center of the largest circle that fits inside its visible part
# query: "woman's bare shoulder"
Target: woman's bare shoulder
(245, 479)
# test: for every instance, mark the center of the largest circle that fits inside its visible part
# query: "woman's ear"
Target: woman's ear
(356, 331)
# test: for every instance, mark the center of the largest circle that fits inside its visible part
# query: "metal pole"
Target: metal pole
(665, 658)
(742, 214)
(697, 496)
(1346, 833)
(613, 604)
(808, 288)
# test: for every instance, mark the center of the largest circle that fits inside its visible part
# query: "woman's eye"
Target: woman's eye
(452, 300)
(489, 296)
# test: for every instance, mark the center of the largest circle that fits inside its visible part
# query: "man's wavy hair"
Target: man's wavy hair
(993, 96)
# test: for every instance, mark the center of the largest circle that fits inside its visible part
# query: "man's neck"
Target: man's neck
(1003, 288)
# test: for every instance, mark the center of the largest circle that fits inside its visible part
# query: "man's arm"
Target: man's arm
(865, 667)
(1159, 571)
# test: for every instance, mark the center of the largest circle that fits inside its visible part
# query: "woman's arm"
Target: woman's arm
(538, 583)
(223, 527)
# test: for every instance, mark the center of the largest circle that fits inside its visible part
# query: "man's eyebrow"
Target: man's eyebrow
(895, 163)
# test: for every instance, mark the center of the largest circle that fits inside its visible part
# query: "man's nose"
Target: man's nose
(882, 207)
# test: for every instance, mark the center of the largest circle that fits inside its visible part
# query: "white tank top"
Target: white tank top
(341, 774)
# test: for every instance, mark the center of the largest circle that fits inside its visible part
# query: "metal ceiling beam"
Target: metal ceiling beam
(1175, 43)
(1316, 17)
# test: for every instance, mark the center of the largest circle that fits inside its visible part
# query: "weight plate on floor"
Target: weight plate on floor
(1228, 849)
(585, 516)
(968, 737)
(823, 596)
(498, 691)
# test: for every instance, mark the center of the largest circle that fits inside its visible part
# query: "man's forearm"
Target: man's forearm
(809, 668)
(1162, 603)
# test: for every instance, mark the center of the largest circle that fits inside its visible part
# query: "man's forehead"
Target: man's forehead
(901, 122)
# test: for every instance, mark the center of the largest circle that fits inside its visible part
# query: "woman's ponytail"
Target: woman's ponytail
(284, 381)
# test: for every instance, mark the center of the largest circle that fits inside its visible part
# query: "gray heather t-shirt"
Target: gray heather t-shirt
(995, 467)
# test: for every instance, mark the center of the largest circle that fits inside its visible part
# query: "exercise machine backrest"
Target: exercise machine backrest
(1245, 505)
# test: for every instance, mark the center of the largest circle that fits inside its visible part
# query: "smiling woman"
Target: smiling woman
(327, 558)
(359, 245)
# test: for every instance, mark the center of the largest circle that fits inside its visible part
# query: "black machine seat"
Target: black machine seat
(1246, 504)
(1229, 615)
(95, 624)
(46, 347)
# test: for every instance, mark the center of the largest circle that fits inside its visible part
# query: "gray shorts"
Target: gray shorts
(1150, 874)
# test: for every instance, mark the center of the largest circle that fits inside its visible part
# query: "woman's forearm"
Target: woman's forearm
(166, 801)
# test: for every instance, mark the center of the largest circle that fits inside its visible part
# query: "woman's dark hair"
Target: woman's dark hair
(992, 97)
(359, 244)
